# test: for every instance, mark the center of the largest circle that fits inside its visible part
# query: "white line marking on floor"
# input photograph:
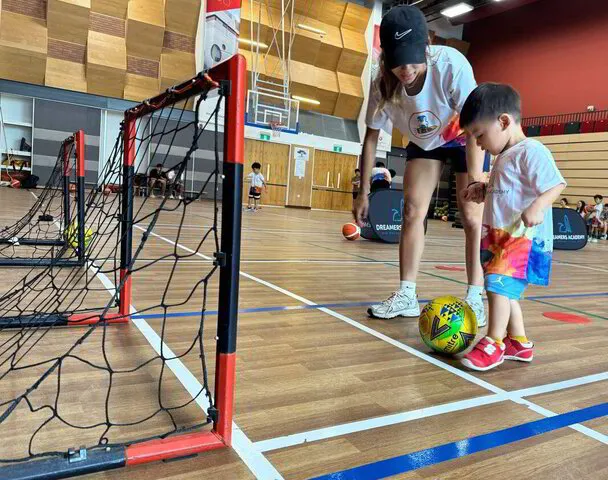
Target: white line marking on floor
(394, 419)
(255, 460)
(423, 356)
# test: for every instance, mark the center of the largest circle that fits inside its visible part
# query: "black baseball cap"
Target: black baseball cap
(404, 36)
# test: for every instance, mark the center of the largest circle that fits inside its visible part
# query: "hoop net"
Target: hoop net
(106, 386)
(276, 127)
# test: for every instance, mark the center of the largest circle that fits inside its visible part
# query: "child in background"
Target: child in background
(563, 203)
(517, 231)
(256, 179)
(603, 226)
(595, 218)
(580, 208)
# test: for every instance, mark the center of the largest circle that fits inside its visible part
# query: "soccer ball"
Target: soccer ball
(71, 236)
(448, 325)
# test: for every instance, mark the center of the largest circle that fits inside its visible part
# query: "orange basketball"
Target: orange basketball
(351, 231)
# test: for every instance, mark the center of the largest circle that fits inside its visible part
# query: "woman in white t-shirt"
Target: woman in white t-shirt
(420, 90)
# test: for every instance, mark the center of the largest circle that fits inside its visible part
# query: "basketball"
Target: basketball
(448, 325)
(351, 231)
(71, 235)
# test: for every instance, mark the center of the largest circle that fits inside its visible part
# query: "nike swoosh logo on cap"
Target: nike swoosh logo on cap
(399, 36)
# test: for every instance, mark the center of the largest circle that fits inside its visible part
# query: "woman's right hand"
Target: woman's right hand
(360, 208)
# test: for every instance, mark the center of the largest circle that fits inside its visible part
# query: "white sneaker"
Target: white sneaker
(479, 310)
(593, 240)
(398, 304)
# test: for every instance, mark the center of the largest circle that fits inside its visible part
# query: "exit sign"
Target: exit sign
(337, 148)
(264, 136)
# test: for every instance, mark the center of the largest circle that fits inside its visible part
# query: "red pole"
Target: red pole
(127, 216)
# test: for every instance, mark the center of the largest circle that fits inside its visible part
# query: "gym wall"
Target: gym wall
(117, 48)
(552, 51)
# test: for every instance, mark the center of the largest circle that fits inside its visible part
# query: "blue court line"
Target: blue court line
(260, 309)
(281, 308)
(469, 446)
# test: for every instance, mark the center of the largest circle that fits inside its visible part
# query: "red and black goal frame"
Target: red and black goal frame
(230, 78)
(77, 141)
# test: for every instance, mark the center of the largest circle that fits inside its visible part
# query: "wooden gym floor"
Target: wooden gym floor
(321, 388)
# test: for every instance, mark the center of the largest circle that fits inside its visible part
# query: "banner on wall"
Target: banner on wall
(385, 138)
(222, 23)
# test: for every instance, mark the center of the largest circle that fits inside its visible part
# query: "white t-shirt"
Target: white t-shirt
(431, 118)
(256, 179)
(519, 176)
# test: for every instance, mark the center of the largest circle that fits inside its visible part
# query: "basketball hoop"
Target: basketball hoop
(276, 128)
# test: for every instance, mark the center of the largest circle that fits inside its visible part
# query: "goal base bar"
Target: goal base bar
(42, 242)
(41, 262)
(59, 320)
(111, 458)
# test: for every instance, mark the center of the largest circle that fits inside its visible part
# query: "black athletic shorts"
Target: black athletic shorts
(457, 156)
(355, 195)
(255, 193)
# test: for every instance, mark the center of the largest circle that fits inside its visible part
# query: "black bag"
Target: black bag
(30, 182)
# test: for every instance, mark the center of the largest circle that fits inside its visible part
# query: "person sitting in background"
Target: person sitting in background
(356, 183)
(603, 227)
(381, 177)
(594, 217)
(563, 203)
(157, 178)
(580, 208)
(175, 184)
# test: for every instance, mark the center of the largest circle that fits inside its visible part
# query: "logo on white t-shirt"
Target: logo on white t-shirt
(424, 124)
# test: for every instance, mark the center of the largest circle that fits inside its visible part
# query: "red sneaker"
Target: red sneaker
(485, 355)
(521, 352)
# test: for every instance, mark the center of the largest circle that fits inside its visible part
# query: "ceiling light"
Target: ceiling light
(456, 10)
(252, 43)
(306, 100)
(311, 29)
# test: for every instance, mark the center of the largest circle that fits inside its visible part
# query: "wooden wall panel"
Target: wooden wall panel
(114, 8)
(356, 18)
(68, 20)
(182, 16)
(583, 161)
(330, 49)
(138, 88)
(175, 66)
(66, 75)
(145, 28)
(354, 54)
(23, 48)
(106, 64)
(350, 99)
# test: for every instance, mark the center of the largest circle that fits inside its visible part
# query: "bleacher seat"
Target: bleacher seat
(587, 127)
(573, 127)
(533, 131)
(558, 129)
(545, 130)
(601, 126)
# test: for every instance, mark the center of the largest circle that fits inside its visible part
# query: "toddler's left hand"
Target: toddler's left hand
(533, 215)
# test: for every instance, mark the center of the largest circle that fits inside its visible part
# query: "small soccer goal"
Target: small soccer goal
(49, 233)
(116, 362)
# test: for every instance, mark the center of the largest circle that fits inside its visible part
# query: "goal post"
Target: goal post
(24, 244)
(125, 224)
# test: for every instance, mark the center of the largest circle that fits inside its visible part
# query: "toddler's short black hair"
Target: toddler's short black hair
(598, 197)
(380, 165)
(357, 170)
(256, 165)
(488, 102)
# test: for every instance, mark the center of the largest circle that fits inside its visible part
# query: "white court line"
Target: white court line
(423, 356)
(585, 267)
(398, 418)
(255, 460)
